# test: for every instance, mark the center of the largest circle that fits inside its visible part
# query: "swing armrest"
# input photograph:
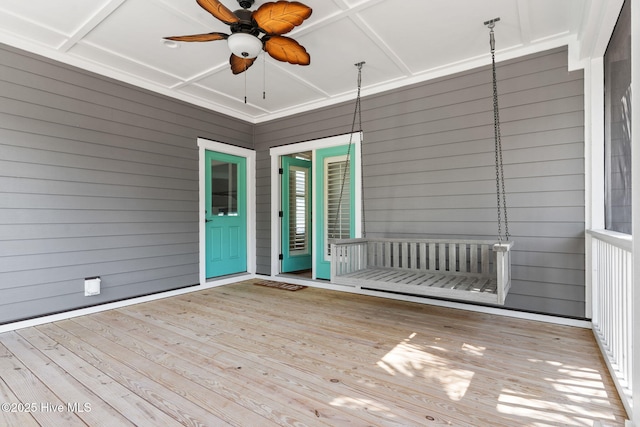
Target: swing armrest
(502, 251)
(503, 246)
(348, 256)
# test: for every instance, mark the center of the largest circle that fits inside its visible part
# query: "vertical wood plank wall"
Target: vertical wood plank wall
(429, 168)
(97, 178)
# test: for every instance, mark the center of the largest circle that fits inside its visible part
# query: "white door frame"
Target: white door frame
(313, 145)
(250, 156)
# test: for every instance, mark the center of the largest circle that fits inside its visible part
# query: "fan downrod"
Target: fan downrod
(246, 4)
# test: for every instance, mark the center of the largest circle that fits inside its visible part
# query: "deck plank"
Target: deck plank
(65, 387)
(11, 416)
(280, 385)
(285, 361)
(135, 408)
(251, 355)
(138, 379)
(232, 372)
(296, 343)
(32, 392)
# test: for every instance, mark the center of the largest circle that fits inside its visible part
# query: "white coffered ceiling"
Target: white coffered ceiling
(401, 41)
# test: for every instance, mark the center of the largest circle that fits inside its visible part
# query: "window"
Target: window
(299, 210)
(617, 86)
(224, 188)
(338, 201)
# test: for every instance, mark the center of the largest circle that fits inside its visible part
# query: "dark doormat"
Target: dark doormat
(279, 285)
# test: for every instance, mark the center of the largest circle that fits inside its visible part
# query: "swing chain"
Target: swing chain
(356, 114)
(358, 108)
(500, 187)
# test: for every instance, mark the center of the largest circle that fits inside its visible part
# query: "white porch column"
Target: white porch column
(594, 165)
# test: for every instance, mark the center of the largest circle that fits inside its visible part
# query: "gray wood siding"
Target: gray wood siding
(101, 178)
(429, 168)
(97, 178)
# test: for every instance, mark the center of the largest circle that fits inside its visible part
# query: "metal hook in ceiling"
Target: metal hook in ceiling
(491, 24)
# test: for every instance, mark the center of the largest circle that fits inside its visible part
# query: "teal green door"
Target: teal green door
(296, 214)
(225, 214)
(335, 192)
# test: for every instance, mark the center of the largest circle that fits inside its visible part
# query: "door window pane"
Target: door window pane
(224, 188)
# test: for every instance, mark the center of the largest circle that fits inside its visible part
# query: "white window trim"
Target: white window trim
(250, 156)
(313, 145)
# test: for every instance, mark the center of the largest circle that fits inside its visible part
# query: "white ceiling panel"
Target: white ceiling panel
(543, 23)
(222, 101)
(402, 42)
(340, 45)
(424, 41)
(62, 16)
(12, 26)
(283, 88)
(117, 34)
(120, 64)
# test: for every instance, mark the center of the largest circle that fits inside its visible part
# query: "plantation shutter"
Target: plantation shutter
(298, 207)
(337, 206)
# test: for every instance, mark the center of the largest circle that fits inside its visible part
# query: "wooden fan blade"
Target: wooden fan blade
(219, 11)
(240, 65)
(200, 37)
(286, 49)
(280, 17)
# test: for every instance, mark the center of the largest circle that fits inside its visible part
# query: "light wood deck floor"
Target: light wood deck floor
(249, 355)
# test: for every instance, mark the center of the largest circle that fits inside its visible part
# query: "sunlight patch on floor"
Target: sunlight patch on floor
(361, 404)
(548, 411)
(473, 350)
(416, 362)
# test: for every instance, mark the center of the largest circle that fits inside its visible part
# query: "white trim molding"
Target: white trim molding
(250, 155)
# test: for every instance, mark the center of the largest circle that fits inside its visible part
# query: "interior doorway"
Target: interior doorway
(309, 203)
(295, 212)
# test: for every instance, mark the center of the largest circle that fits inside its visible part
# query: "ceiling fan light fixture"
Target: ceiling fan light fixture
(272, 19)
(244, 45)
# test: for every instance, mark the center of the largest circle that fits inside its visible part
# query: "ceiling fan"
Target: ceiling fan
(254, 31)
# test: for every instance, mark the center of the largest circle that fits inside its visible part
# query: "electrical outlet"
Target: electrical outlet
(91, 286)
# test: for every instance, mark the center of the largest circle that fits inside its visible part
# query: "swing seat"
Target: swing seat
(466, 270)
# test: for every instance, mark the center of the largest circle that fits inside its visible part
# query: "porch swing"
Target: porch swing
(458, 269)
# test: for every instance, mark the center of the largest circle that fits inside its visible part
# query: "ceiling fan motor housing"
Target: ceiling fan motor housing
(245, 24)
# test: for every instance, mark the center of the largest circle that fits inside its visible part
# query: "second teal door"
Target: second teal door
(335, 190)
(225, 214)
